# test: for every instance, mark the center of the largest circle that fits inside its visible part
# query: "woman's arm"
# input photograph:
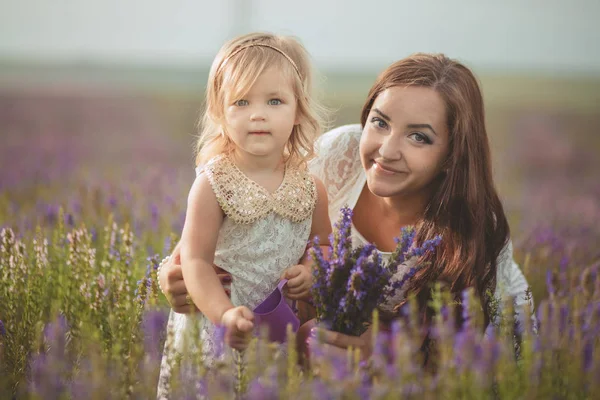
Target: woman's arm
(512, 283)
(172, 285)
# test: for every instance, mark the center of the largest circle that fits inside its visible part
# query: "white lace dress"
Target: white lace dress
(339, 167)
(262, 234)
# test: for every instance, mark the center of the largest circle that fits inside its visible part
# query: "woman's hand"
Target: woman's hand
(171, 282)
(300, 281)
(238, 323)
(309, 335)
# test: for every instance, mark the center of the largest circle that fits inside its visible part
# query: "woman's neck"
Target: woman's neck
(403, 211)
(380, 219)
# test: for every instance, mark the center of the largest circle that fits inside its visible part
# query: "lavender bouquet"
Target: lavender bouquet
(354, 280)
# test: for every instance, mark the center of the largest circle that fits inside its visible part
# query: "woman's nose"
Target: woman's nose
(391, 148)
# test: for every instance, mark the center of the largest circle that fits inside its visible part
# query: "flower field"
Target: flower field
(93, 187)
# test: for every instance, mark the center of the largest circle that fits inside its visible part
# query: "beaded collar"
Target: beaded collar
(245, 201)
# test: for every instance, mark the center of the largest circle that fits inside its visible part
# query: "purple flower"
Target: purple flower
(549, 283)
(154, 216)
(219, 341)
(45, 377)
(51, 214)
(154, 327)
(588, 354)
(463, 347)
(69, 220)
(428, 246)
(322, 391)
(261, 390)
(466, 301)
(112, 202)
(47, 369)
(403, 243)
(563, 318)
(354, 280)
(55, 333)
(2, 329)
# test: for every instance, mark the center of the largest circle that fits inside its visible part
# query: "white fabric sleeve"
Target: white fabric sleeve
(337, 162)
(511, 283)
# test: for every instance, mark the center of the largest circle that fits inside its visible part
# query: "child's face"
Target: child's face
(260, 123)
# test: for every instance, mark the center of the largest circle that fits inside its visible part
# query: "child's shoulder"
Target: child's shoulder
(201, 193)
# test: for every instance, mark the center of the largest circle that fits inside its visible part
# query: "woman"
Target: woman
(419, 157)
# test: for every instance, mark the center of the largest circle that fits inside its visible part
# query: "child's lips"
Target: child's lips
(260, 133)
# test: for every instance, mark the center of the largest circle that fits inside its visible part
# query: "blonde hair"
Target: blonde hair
(235, 69)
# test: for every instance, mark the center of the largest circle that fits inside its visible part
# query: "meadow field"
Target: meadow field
(94, 171)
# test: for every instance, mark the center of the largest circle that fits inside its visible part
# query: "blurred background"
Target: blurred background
(99, 99)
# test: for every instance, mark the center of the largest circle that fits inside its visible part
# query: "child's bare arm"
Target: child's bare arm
(197, 247)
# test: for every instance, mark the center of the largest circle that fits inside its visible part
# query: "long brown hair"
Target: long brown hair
(465, 208)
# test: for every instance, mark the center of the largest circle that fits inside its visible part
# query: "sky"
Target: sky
(522, 35)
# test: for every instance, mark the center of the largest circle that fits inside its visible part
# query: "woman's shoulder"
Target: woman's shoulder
(339, 145)
(337, 162)
(341, 135)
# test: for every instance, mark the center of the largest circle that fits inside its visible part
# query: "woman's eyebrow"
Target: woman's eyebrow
(378, 111)
(421, 126)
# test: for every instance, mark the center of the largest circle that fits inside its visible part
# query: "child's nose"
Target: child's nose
(258, 113)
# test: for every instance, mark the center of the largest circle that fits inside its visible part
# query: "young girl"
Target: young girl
(253, 206)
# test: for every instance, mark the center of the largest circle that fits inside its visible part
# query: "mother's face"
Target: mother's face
(404, 141)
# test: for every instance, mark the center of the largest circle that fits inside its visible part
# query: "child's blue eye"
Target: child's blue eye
(274, 102)
(241, 103)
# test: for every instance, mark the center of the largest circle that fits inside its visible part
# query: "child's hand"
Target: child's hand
(238, 326)
(300, 281)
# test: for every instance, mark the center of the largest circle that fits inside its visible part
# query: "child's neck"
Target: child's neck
(255, 164)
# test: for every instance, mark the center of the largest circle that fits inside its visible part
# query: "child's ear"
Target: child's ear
(298, 118)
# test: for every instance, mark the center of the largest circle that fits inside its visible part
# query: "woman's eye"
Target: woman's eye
(420, 138)
(241, 103)
(379, 122)
(274, 102)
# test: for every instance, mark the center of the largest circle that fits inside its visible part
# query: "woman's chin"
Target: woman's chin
(380, 189)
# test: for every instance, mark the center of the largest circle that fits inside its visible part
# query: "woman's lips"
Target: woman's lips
(384, 169)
